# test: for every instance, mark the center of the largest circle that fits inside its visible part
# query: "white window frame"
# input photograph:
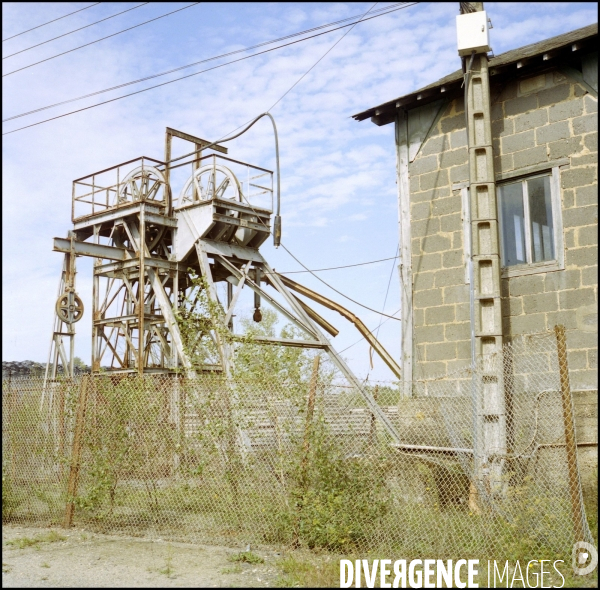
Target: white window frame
(547, 265)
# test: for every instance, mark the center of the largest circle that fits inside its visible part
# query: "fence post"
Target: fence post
(76, 452)
(7, 421)
(60, 400)
(176, 418)
(310, 410)
(373, 429)
(565, 390)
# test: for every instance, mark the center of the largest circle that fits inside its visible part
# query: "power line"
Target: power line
(384, 302)
(98, 40)
(323, 56)
(227, 136)
(196, 73)
(75, 30)
(292, 272)
(50, 21)
(387, 291)
(277, 102)
(336, 290)
(387, 9)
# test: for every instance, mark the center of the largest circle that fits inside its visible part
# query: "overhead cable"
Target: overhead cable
(361, 19)
(74, 30)
(98, 40)
(230, 136)
(51, 21)
(387, 291)
(291, 272)
(387, 9)
(336, 290)
(195, 73)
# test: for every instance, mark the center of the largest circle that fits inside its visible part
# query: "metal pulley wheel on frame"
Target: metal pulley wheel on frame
(69, 307)
(213, 181)
(144, 183)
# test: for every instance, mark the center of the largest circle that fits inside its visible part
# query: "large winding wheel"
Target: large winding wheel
(210, 182)
(147, 184)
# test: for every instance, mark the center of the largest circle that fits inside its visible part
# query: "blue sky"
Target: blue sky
(338, 176)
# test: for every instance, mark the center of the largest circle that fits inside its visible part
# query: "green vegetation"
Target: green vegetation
(246, 557)
(24, 542)
(236, 569)
(249, 457)
(168, 569)
(310, 570)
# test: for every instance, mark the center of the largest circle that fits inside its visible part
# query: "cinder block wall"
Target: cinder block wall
(543, 119)
(440, 295)
(535, 120)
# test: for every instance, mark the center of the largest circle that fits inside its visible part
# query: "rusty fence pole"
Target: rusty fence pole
(62, 435)
(8, 421)
(310, 411)
(373, 429)
(571, 446)
(76, 452)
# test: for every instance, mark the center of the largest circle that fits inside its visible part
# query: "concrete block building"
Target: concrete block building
(544, 121)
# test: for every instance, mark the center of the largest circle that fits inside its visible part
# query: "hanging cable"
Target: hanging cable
(74, 30)
(187, 76)
(293, 272)
(277, 220)
(387, 9)
(384, 302)
(323, 56)
(336, 290)
(98, 40)
(51, 21)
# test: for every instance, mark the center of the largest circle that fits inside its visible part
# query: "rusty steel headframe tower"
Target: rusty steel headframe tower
(149, 243)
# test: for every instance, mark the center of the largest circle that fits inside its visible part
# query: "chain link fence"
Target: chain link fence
(304, 462)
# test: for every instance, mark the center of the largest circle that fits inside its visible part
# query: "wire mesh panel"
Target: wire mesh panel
(302, 460)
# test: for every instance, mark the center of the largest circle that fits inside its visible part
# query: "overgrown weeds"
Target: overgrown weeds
(246, 557)
(25, 542)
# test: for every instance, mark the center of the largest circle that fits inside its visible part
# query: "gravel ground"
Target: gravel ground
(45, 558)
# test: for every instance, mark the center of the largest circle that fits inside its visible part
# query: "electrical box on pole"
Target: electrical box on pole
(472, 33)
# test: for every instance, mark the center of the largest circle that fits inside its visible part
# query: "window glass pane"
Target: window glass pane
(540, 214)
(513, 224)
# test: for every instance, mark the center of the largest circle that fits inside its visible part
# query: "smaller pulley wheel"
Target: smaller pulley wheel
(69, 308)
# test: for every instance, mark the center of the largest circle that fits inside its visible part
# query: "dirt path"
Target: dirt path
(44, 558)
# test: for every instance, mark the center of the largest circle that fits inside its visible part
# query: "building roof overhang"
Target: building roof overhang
(523, 61)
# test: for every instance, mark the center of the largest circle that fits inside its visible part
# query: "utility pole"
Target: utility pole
(490, 408)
